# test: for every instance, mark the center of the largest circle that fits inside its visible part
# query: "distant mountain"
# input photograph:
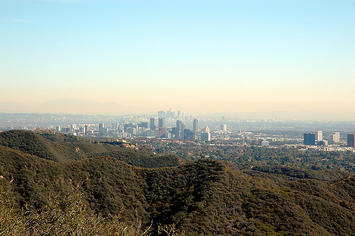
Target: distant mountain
(195, 198)
(64, 106)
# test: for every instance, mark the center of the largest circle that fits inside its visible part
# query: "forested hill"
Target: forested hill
(104, 195)
(64, 148)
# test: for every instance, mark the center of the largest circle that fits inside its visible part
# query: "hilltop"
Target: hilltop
(65, 148)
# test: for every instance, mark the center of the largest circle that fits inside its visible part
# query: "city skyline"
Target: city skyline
(90, 56)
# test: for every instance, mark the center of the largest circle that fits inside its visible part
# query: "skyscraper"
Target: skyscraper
(152, 124)
(102, 130)
(195, 128)
(58, 129)
(335, 137)
(319, 135)
(161, 122)
(179, 115)
(206, 136)
(86, 130)
(162, 127)
(161, 114)
(179, 130)
(170, 114)
(351, 140)
(224, 127)
(309, 139)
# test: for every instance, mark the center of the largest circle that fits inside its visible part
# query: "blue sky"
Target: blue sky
(234, 56)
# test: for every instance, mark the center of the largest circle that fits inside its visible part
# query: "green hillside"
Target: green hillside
(63, 148)
(104, 195)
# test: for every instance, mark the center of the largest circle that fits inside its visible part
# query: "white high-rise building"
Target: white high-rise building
(319, 135)
(195, 128)
(224, 127)
(335, 137)
(206, 130)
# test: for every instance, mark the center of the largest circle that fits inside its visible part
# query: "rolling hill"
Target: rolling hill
(65, 148)
(203, 197)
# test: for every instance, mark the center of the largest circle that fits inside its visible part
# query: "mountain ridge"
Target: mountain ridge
(200, 197)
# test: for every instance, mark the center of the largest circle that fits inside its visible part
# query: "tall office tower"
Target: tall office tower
(86, 129)
(182, 135)
(195, 125)
(179, 115)
(206, 136)
(152, 124)
(161, 114)
(319, 135)
(224, 127)
(179, 130)
(162, 126)
(335, 137)
(115, 125)
(195, 128)
(126, 127)
(170, 114)
(309, 139)
(102, 129)
(351, 140)
(161, 122)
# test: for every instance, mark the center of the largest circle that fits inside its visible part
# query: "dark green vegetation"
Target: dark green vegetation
(247, 156)
(63, 148)
(103, 194)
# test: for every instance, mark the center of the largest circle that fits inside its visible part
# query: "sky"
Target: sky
(94, 56)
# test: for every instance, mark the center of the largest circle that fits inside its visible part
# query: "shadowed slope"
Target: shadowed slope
(202, 197)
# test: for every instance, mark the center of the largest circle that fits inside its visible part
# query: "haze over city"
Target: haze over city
(177, 117)
(90, 56)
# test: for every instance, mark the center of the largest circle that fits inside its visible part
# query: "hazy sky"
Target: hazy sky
(194, 55)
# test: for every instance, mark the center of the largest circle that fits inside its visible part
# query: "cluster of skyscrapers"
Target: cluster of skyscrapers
(167, 125)
(180, 131)
(317, 139)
